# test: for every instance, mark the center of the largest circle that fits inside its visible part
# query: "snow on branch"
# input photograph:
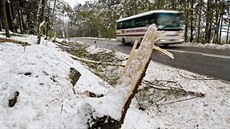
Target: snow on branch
(14, 41)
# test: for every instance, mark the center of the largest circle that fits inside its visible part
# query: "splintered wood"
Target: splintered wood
(136, 66)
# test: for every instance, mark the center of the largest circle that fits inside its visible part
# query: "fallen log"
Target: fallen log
(2, 40)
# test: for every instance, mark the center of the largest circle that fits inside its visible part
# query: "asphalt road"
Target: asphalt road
(213, 63)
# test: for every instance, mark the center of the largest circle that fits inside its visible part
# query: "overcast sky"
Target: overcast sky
(74, 2)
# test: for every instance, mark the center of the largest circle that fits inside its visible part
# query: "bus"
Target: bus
(168, 22)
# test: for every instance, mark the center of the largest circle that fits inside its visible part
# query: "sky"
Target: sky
(74, 2)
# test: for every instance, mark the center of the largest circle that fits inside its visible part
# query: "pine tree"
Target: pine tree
(4, 17)
(40, 18)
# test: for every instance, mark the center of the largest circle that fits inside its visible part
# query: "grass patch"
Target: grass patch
(100, 70)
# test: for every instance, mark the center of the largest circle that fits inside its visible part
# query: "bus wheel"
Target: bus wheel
(123, 41)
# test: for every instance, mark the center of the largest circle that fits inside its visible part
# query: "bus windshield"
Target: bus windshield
(168, 21)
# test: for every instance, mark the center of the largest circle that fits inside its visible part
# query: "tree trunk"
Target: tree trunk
(131, 77)
(199, 21)
(48, 21)
(20, 21)
(14, 17)
(228, 31)
(40, 18)
(186, 22)
(217, 20)
(0, 22)
(191, 21)
(55, 1)
(208, 22)
(221, 23)
(228, 21)
(4, 20)
(9, 16)
(173, 5)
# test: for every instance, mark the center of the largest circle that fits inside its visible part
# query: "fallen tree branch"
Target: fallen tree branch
(181, 100)
(90, 61)
(14, 41)
(55, 41)
(97, 62)
(178, 89)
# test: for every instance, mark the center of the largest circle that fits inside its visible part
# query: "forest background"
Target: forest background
(205, 21)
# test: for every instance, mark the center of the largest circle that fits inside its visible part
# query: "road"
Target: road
(214, 63)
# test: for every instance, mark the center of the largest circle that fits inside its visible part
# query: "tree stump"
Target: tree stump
(74, 76)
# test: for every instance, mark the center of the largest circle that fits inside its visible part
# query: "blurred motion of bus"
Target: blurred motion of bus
(168, 22)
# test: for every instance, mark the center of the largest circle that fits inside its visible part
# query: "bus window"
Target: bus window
(119, 25)
(152, 19)
(141, 22)
(124, 24)
(166, 20)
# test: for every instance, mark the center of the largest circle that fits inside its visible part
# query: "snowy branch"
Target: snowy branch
(14, 41)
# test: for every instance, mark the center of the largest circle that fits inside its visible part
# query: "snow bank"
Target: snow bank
(207, 45)
(40, 74)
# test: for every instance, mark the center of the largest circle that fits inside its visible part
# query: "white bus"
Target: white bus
(168, 22)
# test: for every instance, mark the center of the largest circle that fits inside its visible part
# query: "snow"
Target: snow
(212, 111)
(207, 45)
(46, 98)
(46, 90)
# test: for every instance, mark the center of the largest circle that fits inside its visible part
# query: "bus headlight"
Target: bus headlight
(181, 40)
(178, 33)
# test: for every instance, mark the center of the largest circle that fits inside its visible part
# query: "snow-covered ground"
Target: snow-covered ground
(46, 99)
(208, 45)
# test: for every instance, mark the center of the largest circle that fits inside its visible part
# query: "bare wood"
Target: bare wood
(135, 69)
(130, 56)
(14, 41)
(132, 93)
(40, 32)
(163, 51)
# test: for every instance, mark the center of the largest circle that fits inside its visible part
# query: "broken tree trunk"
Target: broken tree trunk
(40, 32)
(74, 76)
(136, 67)
(127, 85)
